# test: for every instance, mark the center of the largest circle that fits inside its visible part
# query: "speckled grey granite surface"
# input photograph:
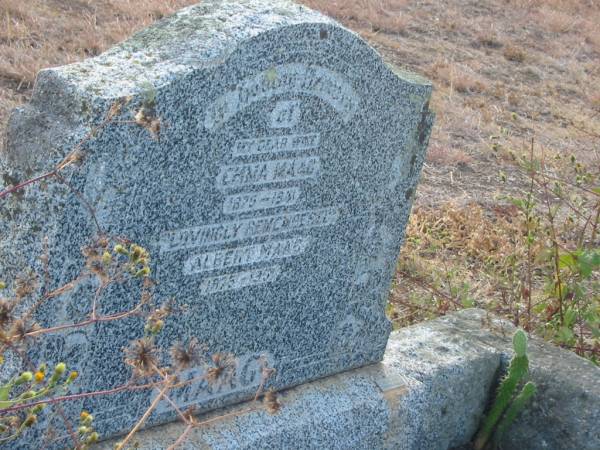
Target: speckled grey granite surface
(565, 412)
(428, 393)
(274, 203)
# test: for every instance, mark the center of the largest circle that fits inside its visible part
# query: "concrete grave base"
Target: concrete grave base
(428, 393)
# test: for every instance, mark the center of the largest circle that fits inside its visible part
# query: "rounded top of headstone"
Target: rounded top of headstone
(192, 43)
(197, 37)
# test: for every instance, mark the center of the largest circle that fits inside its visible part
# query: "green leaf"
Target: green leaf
(544, 255)
(468, 302)
(518, 202)
(570, 317)
(591, 316)
(585, 261)
(566, 260)
(564, 335)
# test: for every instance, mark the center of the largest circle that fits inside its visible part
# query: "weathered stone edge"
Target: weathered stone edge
(428, 393)
(409, 401)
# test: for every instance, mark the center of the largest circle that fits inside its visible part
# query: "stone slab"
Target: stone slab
(273, 200)
(429, 392)
(565, 412)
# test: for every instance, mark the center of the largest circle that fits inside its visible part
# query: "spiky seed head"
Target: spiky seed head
(186, 356)
(6, 316)
(142, 355)
(272, 402)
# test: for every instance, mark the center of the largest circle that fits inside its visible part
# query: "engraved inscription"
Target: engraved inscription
(242, 256)
(239, 280)
(252, 201)
(276, 144)
(268, 172)
(287, 79)
(196, 389)
(286, 114)
(247, 228)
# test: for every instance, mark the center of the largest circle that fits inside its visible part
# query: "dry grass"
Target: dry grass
(514, 53)
(460, 78)
(448, 156)
(42, 33)
(595, 101)
(446, 260)
(557, 21)
(378, 15)
(508, 70)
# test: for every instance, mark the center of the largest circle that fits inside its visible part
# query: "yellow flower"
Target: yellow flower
(120, 249)
(39, 376)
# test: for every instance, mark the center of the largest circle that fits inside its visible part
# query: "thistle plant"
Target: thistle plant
(87, 434)
(507, 404)
(33, 391)
(30, 389)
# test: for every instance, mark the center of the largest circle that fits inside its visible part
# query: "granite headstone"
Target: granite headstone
(273, 199)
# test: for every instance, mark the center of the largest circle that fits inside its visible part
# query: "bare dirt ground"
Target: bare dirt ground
(505, 72)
